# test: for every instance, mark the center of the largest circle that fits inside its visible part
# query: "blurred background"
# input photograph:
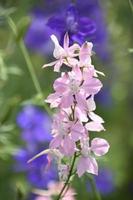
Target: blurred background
(25, 29)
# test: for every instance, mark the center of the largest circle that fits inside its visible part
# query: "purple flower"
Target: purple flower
(35, 124)
(104, 181)
(104, 97)
(83, 21)
(35, 171)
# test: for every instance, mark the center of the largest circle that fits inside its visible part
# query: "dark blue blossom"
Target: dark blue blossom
(35, 128)
(82, 20)
(36, 172)
(35, 124)
(104, 97)
(104, 182)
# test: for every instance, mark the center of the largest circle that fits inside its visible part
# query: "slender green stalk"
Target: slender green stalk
(131, 5)
(94, 189)
(28, 62)
(68, 179)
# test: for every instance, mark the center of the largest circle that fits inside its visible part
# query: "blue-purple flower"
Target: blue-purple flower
(36, 172)
(35, 131)
(104, 182)
(83, 21)
(34, 124)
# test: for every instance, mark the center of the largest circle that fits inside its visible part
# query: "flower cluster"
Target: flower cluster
(83, 21)
(74, 100)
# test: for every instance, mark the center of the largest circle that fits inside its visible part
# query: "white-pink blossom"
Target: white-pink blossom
(63, 54)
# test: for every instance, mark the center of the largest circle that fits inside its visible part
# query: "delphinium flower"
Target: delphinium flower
(34, 124)
(36, 174)
(35, 133)
(83, 21)
(105, 185)
(75, 118)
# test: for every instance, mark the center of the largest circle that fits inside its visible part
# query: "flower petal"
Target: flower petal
(58, 51)
(87, 164)
(99, 146)
(66, 41)
(53, 99)
(67, 146)
(96, 117)
(49, 64)
(94, 126)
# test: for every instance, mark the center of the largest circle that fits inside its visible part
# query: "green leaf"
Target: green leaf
(130, 50)
(15, 70)
(5, 12)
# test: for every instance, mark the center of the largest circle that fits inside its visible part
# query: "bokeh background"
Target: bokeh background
(24, 122)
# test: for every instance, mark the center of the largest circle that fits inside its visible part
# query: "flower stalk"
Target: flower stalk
(28, 63)
(68, 179)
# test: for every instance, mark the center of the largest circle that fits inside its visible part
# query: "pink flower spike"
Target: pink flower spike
(99, 146)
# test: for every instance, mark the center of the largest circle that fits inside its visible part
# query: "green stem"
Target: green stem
(94, 189)
(28, 62)
(131, 5)
(68, 179)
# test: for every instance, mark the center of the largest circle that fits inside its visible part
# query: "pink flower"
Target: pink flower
(87, 163)
(66, 133)
(54, 189)
(63, 55)
(74, 86)
(85, 112)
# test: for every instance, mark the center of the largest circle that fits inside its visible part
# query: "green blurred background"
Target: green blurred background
(17, 89)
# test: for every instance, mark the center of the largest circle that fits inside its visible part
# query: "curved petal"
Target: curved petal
(96, 117)
(66, 41)
(49, 64)
(60, 84)
(99, 146)
(87, 164)
(94, 126)
(58, 51)
(85, 53)
(91, 104)
(92, 86)
(54, 100)
(58, 65)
